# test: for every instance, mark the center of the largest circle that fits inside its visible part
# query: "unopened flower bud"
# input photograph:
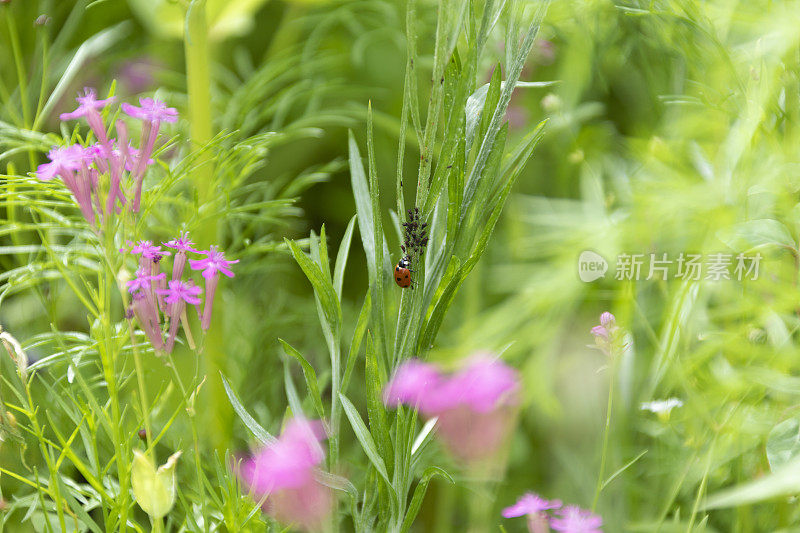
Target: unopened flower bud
(154, 489)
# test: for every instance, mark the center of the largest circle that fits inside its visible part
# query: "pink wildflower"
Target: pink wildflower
(211, 265)
(178, 294)
(62, 160)
(142, 280)
(535, 508)
(475, 406)
(181, 245)
(88, 107)
(151, 110)
(412, 384)
(150, 253)
(152, 113)
(181, 291)
(573, 519)
(284, 473)
(530, 503)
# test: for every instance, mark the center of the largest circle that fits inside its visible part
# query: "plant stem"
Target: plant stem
(106, 349)
(190, 410)
(606, 432)
(22, 77)
(48, 458)
(142, 389)
(198, 82)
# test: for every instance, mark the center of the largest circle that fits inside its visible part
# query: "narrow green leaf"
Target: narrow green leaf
(76, 507)
(291, 391)
(783, 443)
(365, 439)
(448, 294)
(361, 194)
(324, 261)
(375, 196)
(309, 374)
(358, 336)
(486, 144)
(784, 481)
(424, 435)
(419, 495)
(259, 432)
(323, 287)
(341, 257)
(376, 412)
(337, 483)
(756, 234)
(623, 468)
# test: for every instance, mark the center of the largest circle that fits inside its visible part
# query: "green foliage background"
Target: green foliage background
(673, 127)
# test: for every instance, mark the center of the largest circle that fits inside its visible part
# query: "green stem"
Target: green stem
(446, 498)
(16, 49)
(37, 118)
(606, 432)
(22, 77)
(198, 84)
(198, 81)
(53, 469)
(190, 410)
(142, 390)
(106, 348)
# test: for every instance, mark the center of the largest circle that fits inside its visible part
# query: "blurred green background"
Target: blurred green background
(673, 128)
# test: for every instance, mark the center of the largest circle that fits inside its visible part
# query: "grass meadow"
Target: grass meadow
(399, 266)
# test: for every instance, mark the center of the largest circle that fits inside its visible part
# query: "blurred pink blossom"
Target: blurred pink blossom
(283, 473)
(573, 519)
(475, 406)
(535, 508)
(413, 384)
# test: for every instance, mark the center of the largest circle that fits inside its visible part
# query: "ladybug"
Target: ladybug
(402, 273)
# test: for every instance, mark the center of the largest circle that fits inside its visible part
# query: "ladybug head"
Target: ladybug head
(404, 263)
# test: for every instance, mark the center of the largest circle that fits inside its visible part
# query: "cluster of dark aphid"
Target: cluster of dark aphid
(415, 234)
(415, 239)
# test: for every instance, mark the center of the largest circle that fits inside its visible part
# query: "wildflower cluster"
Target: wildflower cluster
(154, 295)
(96, 174)
(546, 514)
(282, 474)
(475, 406)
